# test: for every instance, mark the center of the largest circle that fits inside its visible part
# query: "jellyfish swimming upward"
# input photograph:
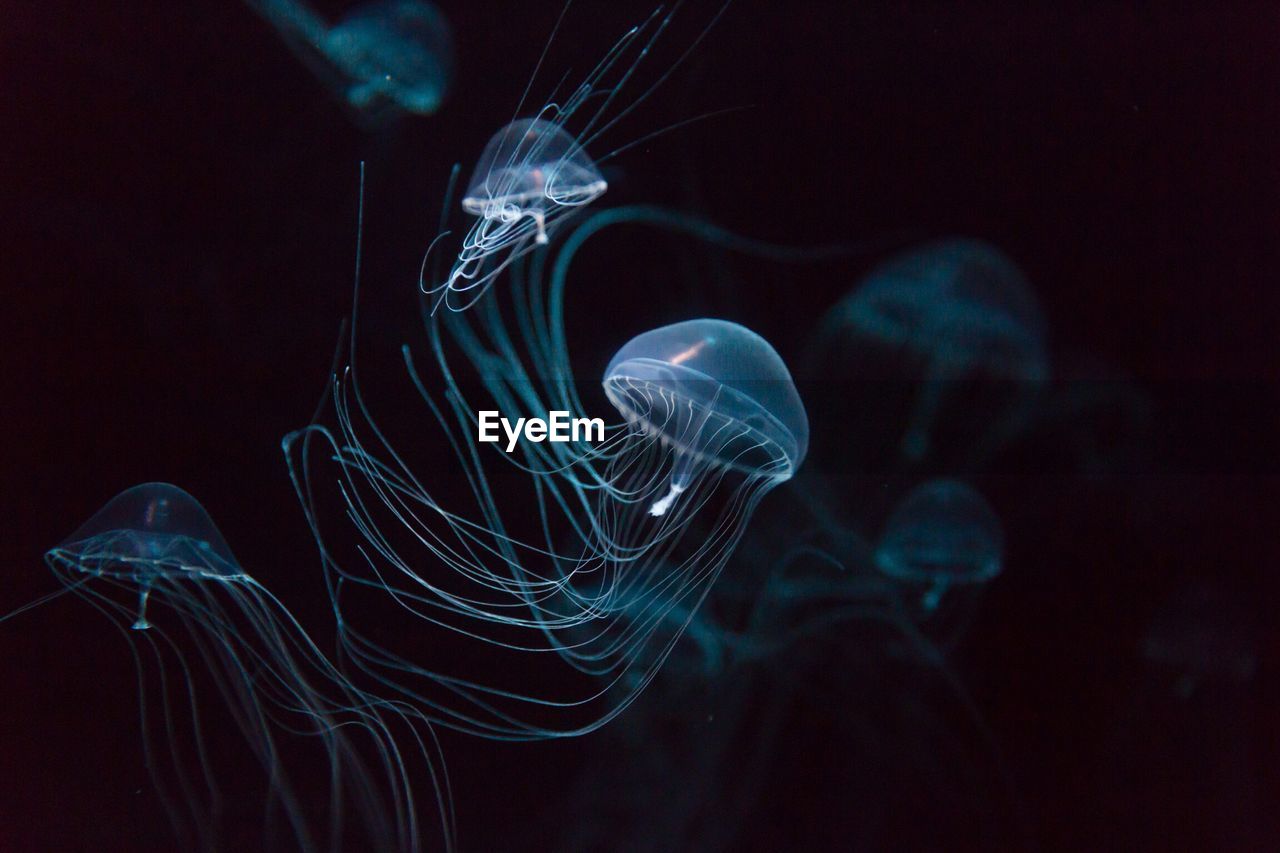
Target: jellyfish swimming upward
(381, 57)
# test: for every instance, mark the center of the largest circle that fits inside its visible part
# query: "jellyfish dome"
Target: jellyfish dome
(528, 168)
(716, 392)
(943, 534)
(530, 174)
(149, 530)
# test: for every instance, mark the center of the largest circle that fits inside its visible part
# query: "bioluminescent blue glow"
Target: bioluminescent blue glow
(716, 393)
(942, 534)
(536, 170)
(156, 544)
(576, 549)
(959, 305)
(386, 55)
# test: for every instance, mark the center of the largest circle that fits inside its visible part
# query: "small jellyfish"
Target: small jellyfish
(153, 533)
(964, 308)
(942, 534)
(717, 394)
(530, 175)
(381, 57)
(535, 171)
(157, 542)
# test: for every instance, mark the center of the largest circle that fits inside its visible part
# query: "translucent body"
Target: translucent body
(942, 534)
(536, 170)
(716, 391)
(529, 169)
(147, 531)
(959, 304)
(156, 541)
(577, 548)
(385, 55)
(531, 173)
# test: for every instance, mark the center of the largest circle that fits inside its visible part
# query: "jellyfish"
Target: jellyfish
(157, 544)
(710, 421)
(531, 174)
(382, 57)
(536, 170)
(960, 306)
(943, 534)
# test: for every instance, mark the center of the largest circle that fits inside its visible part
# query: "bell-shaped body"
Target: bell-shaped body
(961, 301)
(715, 391)
(397, 51)
(149, 531)
(528, 169)
(943, 533)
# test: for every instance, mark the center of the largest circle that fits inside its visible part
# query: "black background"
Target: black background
(176, 253)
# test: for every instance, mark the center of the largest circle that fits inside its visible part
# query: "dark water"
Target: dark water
(177, 248)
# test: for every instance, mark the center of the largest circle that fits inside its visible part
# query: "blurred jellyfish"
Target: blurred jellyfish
(960, 305)
(1204, 634)
(156, 543)
(382, 57)
(942, 534)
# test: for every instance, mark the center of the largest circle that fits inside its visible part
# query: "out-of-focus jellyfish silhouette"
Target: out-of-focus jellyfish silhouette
(808, 694)
(1197, 700)
(943, 534)
(1203, 634)
(156, 542)
(382, 57)
(962, 308)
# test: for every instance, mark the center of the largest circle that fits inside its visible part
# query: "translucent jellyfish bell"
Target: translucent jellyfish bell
(531, 168)
(942, 534)
(960, 304)
(717, 393)
(157, 540)
(145, 534)
(531, 173)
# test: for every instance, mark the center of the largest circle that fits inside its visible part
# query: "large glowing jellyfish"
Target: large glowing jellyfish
(710, 422)
(156, 544)
(943, 534)
(961, 307)
(383, 56)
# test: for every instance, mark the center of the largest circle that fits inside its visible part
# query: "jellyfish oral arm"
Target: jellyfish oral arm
(681, 476)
